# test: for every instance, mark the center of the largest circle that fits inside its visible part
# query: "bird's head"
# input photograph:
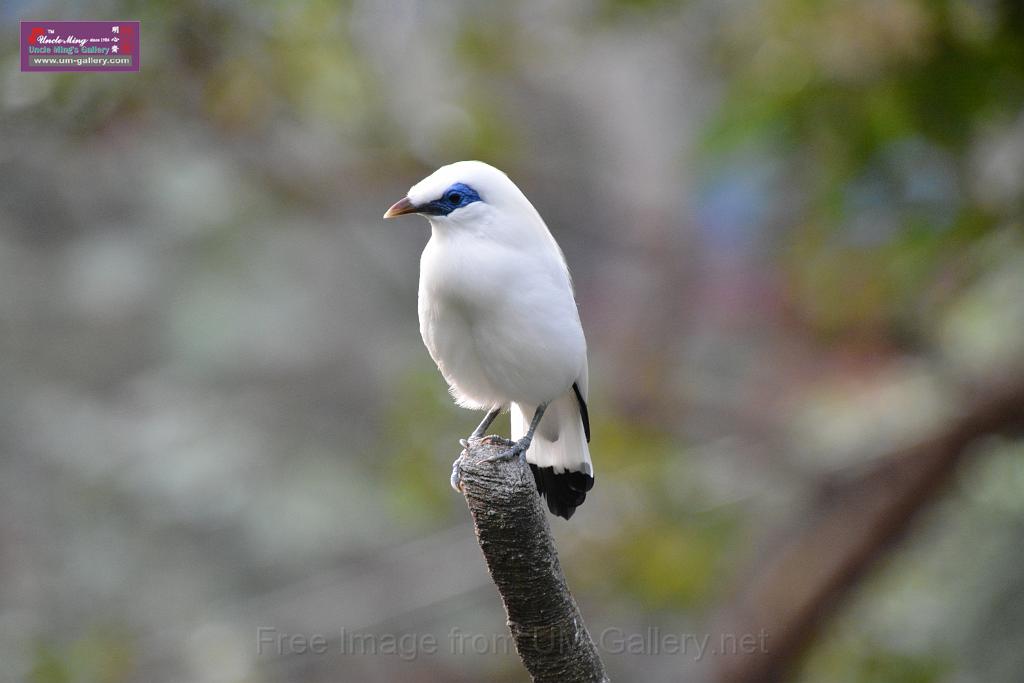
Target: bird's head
(459, 192)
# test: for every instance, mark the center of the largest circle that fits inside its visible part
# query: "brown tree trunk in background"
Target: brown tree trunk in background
(794, 589)
(514, 535)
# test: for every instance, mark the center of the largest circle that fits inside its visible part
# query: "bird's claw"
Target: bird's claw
(515, 448)
(518, 448)
(495, 440)
(456, 479)
(491, 440)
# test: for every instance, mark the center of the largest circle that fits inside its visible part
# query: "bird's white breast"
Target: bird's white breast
(499, 319)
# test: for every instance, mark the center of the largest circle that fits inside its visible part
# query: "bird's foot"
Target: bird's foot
(456, 480)
(491, 440)
(515, 448)
(495, 440)
(518, 449)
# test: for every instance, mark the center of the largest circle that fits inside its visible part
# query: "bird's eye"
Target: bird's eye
(454, 197)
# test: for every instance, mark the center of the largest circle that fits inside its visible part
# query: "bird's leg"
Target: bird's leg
(520, 447)
(477, 433)
(485, 423)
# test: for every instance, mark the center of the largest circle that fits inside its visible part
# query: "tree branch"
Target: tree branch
(802, 581)
(515, 538)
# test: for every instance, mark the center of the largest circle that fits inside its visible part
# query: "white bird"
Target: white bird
(498, 316)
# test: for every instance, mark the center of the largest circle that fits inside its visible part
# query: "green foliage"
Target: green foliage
(855, 75)
(864, 661)
(618, 10)
(872, 114)
(101, 656)
(670, 562)
(873, 108)
(423, 428)
(669, 550)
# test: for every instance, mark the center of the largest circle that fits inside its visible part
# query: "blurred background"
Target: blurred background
(795, 232)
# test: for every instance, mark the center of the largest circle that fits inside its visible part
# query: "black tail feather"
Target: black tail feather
(584, 413)
(565, 491)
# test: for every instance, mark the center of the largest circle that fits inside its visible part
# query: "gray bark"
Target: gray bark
(512, 528)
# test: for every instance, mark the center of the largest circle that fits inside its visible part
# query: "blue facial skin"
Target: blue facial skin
(455, 197)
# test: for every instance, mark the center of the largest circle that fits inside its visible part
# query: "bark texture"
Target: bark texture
(515, 538)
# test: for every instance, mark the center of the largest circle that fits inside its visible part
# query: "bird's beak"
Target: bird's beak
(400, 208)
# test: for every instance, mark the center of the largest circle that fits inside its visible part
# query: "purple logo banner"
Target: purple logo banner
(80, 46)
